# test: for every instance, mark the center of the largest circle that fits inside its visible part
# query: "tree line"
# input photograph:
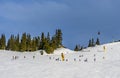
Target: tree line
(28, 43)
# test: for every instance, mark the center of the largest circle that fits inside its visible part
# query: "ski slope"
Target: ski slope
(100, 63)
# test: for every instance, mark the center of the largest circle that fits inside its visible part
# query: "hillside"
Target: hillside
(100, 63)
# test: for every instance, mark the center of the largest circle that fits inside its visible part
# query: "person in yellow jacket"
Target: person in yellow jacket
(63, 57)
(104, 47)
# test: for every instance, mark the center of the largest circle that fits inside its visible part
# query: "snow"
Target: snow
(62, 50)
(99, 64)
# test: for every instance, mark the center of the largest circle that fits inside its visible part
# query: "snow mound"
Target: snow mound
(62, 50)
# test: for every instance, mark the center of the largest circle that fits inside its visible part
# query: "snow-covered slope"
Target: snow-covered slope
(62, 50)
(90, 63)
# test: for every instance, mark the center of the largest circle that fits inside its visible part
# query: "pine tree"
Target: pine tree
(8, 45)
(3, 42)
(15, 47)
(42, 43)
(98, 41)
(59, 37)
(28, 42)
(46, 46)
(53, 43)
(12, 42)
(0, 44)
(93, 43)
(17, 43)
(90, 43)
(49, 49)
(23, 42)
(33, 45)
(76, 48)
(37, 41)
(48, 37)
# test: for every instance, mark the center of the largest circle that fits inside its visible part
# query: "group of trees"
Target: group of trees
(27, 43)
(78, 48)
(91, 43)
(42, 42)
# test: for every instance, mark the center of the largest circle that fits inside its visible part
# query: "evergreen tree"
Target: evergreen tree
(46, 46)
(15, 47)
(98, 41)
(17, 43)
(33, 45)
(49, 49)
(93, 43)
(28, 42)
(59, 37)
(42, 43)
(37, 41)
(11, 43)
(23, 42)
(76, 48)
(90, 43)
(48, 37)
(3, 42)
(0, 44)
(53, 43)
(8, 45)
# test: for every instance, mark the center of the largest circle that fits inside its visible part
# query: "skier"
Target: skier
(50, 58)
(86, 60)
(94, 59)
(63, 57)
(103, 57)
(104, 48)
(24, 56)
(74, 59)
(33, 57)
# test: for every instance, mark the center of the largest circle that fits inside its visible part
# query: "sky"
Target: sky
(79, 20)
